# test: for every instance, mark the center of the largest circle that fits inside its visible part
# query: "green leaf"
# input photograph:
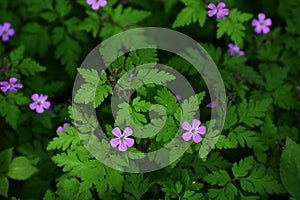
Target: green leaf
(21, 169)
(249, 113)
(29, 67)
(290, 168)
(242, 170)
(233, 26)
(195, 11)
(5, 159)
(220, 178)
(136, 185)
(16, 55)
(4, 185)
(49, 195)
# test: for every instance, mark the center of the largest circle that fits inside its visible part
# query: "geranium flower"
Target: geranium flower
(262, 24)
(6, 31)
(122, 139)
(233, 48)
(61, 128)
(39, 103)
(11, 85)
(220, 10)
(212, 104)
(193, 131)
(96, 4)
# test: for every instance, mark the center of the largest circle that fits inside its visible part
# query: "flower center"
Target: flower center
(4, 32)
(39, 103)
(261, 24)
(122, 138)
(193, 130)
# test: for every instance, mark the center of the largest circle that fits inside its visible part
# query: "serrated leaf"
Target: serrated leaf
(233, 26)
(194, 12)
(136, 185)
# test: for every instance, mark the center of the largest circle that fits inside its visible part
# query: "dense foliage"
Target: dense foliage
(256, 46)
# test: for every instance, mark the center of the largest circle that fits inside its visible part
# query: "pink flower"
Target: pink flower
(232, 49)
(61, 128)
(193, 131)
(6, 31)
(220, 10)
(122, 141)
(11, 85)
(262, 24)
(96, 4)
(39, 103)
(212, 104)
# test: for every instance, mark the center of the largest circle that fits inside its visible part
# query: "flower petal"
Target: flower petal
(187, 136)
(212, 6)
(95, 6)
(13, 80)
(186, 126)
(60, 129)
(220, 15)
(221, 5)
(196, 123)
(127, 132)
(4, 83)
(11, 32)
(211, 13)
(43, 97)
(102, 3)
(268, 22)
(35, 97)
(12, 89)
(67, 124)
(117, 132)
(46, 105)
(201, 130)
(266, 30)
(19, 85)
(6, 25)
(258, 29)
(122, 146)
(5, 38)
(254, 22)
(39, 109)
(261, 16)
(197, 138)
(115, 142)
(33, 106)
(225, 11)
(90, 2)
(129, 142)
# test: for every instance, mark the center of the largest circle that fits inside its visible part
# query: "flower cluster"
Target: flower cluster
(193, 131)
(96, 4)
(61, 128)
(122, 140)
(6, 31)
(235, 49)
(40, 103)
(220, 10)
(10, 85)
(262, 24)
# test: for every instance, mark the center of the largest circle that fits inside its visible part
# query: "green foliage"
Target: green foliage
(233, 26)
(136, 185)
(21, 169)
(193, 12)
(290, 168)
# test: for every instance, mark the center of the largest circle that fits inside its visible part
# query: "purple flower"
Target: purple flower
(193, 131)
(96, 4)
(220, 10)
(39, 103)
(176, 96)
(262, 24)
(212, 104)
(61, 128)
(232, 49)
(11, 85)
(122, 141)
(6, 31)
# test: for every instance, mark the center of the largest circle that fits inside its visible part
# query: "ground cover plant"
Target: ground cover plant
(46, 135)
